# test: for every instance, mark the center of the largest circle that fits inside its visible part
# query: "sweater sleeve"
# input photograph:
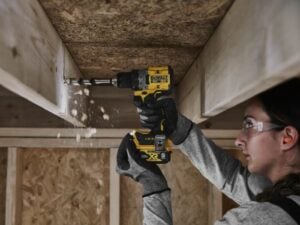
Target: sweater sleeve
(256, 213)
(157, 209)
(221, 169)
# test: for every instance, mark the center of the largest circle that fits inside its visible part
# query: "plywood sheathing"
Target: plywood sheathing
(109, 35)
(188, 190)
(3, 170)
(65, 186)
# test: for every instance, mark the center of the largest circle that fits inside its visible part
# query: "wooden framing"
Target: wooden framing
(255, 47)
(34, 60)
(86, 138)
(13, 187)
(114, 190)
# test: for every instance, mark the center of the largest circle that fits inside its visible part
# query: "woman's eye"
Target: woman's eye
(248, 124)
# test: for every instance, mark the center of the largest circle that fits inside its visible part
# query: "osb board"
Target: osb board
(64, 186)
(95, 60)
(189, 194)
(3, 170)
(131, 202)
(144, 26)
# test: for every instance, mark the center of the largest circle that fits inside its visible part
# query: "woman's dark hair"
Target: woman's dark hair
(282, 103)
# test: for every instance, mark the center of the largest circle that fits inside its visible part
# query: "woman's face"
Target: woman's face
(258, 141)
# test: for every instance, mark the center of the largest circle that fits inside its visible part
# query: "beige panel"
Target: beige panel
(65, 186)
(3, 168)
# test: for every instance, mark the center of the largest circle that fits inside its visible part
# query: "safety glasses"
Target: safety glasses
(252, 126)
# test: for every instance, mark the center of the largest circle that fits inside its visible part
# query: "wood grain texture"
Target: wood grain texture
(65, 186)
(255, 48)
(134, 34)
(34, 60)
(13, 204)
(3, 170)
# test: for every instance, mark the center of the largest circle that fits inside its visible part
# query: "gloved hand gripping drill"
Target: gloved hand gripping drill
(150, 86)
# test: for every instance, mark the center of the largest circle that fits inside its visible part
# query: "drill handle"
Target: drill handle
(156, 104)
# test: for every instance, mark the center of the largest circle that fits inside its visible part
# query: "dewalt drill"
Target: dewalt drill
(148, 85)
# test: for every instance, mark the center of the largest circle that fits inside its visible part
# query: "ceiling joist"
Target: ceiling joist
(34, 60)
(255, 47)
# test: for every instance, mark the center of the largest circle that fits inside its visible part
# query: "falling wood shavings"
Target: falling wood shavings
(83, 117)
(105, 116)
(78, 92)
(74, 112)
(102, 109)
(90, 132)
(58, 135)
(86, 91)
(75, 102)
(92, 101)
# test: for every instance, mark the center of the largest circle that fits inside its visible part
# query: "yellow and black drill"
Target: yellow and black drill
(148, 85)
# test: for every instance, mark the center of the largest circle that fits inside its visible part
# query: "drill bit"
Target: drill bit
(91, 82)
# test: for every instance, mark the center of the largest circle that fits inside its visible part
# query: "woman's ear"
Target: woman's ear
(290, 137)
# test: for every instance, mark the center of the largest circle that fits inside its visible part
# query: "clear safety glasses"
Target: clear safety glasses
(252, 126)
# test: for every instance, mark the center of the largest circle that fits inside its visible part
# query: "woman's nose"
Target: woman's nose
(240, 140)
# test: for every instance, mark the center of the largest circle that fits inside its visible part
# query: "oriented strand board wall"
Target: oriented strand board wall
(131, 202)
(3, 166)
(189, 191)
(65, 187)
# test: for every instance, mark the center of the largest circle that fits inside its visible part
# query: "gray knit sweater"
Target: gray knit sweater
(230, 177)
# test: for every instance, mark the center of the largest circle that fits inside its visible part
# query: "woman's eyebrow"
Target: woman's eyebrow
(248, 116)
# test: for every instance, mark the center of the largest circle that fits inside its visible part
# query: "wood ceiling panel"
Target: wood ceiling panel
(94, 60)
(104, 35)
(136, 22)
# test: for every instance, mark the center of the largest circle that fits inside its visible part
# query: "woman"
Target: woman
(268, 190)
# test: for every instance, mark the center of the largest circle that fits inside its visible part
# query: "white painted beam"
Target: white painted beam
(33, 59)
(255, 47)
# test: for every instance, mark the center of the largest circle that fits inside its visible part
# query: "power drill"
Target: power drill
(149, 85)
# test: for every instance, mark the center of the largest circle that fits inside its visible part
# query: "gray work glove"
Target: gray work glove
(130, 164)
(164, 112)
